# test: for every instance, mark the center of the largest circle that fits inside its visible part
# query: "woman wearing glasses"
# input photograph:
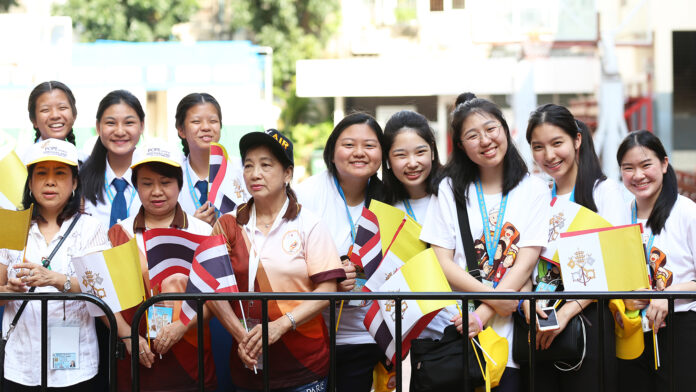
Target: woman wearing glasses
(487, 175)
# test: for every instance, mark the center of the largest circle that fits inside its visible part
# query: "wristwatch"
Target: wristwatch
(66, 285)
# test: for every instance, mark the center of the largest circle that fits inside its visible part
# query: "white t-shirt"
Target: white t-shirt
(526, 215)
(320, 195)
(23, 350)
(674, 249)
(102, 210)
(608, 196)
(189, 190)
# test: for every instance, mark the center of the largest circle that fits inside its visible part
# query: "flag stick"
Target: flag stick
(338, 319)
(478, 359)
(147, 317)
(484, 352)
(245, 324)
(655, 349)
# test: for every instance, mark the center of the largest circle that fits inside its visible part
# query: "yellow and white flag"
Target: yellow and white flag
(113, 275)
(607, 259)
(14, 175)
(14, 228)
(568, 216)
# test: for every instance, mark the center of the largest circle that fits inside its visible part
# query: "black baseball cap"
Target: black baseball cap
(280, 145)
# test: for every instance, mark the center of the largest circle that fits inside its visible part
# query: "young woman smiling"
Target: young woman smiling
(669, 222)
(199, 122)
(562, 147)
(110, 195)
(353, 154)
(157, 175)
(487, 175)
(54, 188)
(52, 111)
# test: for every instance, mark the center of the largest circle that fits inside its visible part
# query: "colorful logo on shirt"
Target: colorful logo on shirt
(291, 242)
(505, 252)
(662, 277)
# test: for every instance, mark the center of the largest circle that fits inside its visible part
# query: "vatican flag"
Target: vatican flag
(607, 259)
(113, 275)
(14, 175)
(15, 228)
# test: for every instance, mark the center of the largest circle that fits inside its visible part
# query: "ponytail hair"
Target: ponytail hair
(47, 87)
(460, 168)
(589, 168)
(92, 172)
(670, 191)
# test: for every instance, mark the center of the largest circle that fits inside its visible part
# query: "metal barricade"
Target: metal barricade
(44, 298)
(398, 297)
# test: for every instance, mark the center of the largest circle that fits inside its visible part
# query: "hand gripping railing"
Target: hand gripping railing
(601, 297)
(44, 298)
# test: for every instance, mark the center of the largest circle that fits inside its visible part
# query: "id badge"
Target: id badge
(251, 323)
(545, 287)
(64, 346)
(157, 317)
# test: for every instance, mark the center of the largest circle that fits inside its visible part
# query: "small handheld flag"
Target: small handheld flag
(169, 251)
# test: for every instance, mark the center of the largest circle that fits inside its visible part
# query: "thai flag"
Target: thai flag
(211, 272)
(219, 166)
(367, 249)
(169, 251)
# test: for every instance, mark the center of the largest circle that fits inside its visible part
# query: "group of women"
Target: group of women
(286, 240)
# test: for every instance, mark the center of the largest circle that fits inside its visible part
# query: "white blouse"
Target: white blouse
(23, 350)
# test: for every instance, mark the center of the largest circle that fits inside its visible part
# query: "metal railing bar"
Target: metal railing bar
(532, 342)
(670, 346)
(44, 298)
(465, 342)
(397, 344)
(332, 343)
(44, 344)
(201, 360)
(600, 353)
(264, 346)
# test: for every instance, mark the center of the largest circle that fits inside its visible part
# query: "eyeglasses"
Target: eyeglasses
(474, 136)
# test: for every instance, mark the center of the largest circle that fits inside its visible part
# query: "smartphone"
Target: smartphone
(550, 322)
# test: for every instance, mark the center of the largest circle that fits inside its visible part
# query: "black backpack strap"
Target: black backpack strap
(45, 262)
(467, 240)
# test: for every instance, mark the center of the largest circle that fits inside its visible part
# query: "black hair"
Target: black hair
(668, 195)
(187, 103)
(92, 172)
(407, 120)
(47, 87)
(589, 168)
(374, 186)
(71, 208)
(460, 168)
(162, 169)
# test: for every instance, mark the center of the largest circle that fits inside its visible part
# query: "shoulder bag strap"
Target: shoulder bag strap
(467, 240)
(46, 263)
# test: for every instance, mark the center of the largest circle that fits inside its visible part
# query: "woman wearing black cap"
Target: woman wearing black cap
(276, 246)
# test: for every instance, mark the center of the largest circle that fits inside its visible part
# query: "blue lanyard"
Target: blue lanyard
(191, 188)
(110, 195)
(491, 243)
(553, 192)
(648, 247)
(409, 210)
(345, 203)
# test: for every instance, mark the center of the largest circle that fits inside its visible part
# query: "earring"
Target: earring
(388, 167)
(73, 193)
(30, 195)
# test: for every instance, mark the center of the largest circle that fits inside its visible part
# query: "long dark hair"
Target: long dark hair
(47, 87)
(92, 172)
(670, 189)
(405, 121)
(589, 168)
(70, 209)
(460, 168)
(374, 187)
(187, 103)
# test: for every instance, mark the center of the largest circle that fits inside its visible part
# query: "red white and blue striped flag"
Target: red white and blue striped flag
(367, 249)
(169, 251)
(220, 189)
(211, 272)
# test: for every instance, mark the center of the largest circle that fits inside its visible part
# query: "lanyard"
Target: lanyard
(345, 203)
(648, 247)
(409, 210)
(255, 252)
(491, 243)
(191, 188)
(110, 194)
(553, 192)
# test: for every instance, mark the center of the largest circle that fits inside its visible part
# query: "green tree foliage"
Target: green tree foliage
(127, 20)
(6, 4)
